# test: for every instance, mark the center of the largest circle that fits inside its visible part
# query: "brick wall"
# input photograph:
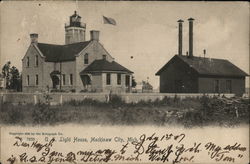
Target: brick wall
(67, 68)
(95, 51)
(32, 70)
(116, 88)
(96, 83)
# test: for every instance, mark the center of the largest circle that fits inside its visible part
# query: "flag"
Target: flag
(107, 20)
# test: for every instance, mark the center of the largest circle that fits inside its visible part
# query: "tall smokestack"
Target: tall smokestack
(190, 37)
(180, 37)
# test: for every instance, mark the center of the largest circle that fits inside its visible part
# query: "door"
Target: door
(229, 86)
(55, 81)
(216, 86)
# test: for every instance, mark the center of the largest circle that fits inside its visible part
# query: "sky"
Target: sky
(148, 31)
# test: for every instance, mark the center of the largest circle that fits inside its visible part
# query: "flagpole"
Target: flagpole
(77, 5)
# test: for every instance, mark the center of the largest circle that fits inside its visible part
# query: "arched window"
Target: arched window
(86, 59)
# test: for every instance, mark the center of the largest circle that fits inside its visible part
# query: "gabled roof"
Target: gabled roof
(209, 66)
(58, 53)
(104, 66)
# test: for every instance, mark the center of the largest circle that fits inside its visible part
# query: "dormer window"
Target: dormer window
(86, 59)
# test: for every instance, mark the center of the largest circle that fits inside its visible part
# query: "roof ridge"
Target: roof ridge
(77, 43)
(64, 44)
(105, 65)
(202, 57)
(51, 44)
(54, 52)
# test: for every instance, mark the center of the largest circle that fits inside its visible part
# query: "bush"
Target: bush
(116, 100)
(206, 108)
(47, 98)
(15, 115)
(86, 101)
(176, 98)
(143, 103)
(188, 112)
(43, 114)
(57, 90)
(192, 118)
(93, 90)
(84, 90)
(165, 100)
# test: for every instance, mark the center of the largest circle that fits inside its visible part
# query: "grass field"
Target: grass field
(188, 112)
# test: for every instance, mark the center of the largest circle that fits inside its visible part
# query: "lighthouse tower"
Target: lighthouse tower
(75, 31)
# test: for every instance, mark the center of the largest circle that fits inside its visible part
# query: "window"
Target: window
(86, 59)
(127, 83)
(104, 57)
(28, 62)
(216, 86)
(63, 79)
(229, 86)
(36, 60)
(71, 79)
(36, 79)
(119, 79)
(108, 79)
(28, 80)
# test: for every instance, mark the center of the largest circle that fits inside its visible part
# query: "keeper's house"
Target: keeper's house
(190, 74)
(78, 65)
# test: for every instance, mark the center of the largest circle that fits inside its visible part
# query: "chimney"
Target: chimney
(204, 52)
(190, 37)
(94, 35)
(34, 38)
(180, 37)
